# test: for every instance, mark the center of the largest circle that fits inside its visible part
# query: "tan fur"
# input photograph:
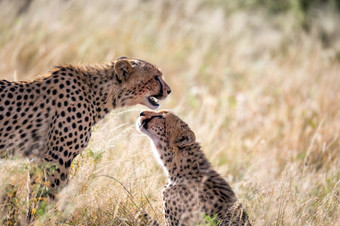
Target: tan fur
(194, 188)
(50, 118)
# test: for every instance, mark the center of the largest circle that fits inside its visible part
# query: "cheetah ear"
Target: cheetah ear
(123, 68)
(185, 138)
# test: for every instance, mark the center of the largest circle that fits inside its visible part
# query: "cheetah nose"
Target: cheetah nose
(142, 114)
(169, 91)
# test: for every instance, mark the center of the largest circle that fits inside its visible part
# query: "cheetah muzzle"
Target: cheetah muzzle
(154, 99)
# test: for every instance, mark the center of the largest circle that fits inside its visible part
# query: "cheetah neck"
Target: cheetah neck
(104, 86)
(186, 164)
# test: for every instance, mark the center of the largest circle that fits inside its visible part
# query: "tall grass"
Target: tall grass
(261, 93)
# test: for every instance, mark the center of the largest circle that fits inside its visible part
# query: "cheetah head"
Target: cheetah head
(166, 129)
(142, 81)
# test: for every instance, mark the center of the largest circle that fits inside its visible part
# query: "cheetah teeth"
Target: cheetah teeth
(153, 100)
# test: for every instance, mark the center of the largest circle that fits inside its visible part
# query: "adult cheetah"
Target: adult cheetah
(194, 188)
(50, 118)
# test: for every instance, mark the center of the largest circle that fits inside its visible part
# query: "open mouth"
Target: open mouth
(154, 99)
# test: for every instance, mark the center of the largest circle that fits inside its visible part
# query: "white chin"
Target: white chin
(151, 105)
(154, 140)
(139, 126)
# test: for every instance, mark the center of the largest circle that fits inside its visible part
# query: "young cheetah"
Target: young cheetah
(194, 188)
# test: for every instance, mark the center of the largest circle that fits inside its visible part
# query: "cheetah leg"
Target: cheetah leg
(144, 219)
(57, 175)
(45, 182)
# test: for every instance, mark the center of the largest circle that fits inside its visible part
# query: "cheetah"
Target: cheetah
(194, 188)
(49, 119)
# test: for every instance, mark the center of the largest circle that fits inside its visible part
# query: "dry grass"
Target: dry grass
(262, 96)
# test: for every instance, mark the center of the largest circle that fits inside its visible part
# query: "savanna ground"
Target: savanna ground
(259, 84)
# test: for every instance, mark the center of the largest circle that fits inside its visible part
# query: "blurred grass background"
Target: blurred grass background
(258, 82)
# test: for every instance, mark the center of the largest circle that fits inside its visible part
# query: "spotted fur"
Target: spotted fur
(144, 219)
(194, 188)
(50, 118)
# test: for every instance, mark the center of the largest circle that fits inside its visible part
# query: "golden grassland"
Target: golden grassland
(261, 94)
